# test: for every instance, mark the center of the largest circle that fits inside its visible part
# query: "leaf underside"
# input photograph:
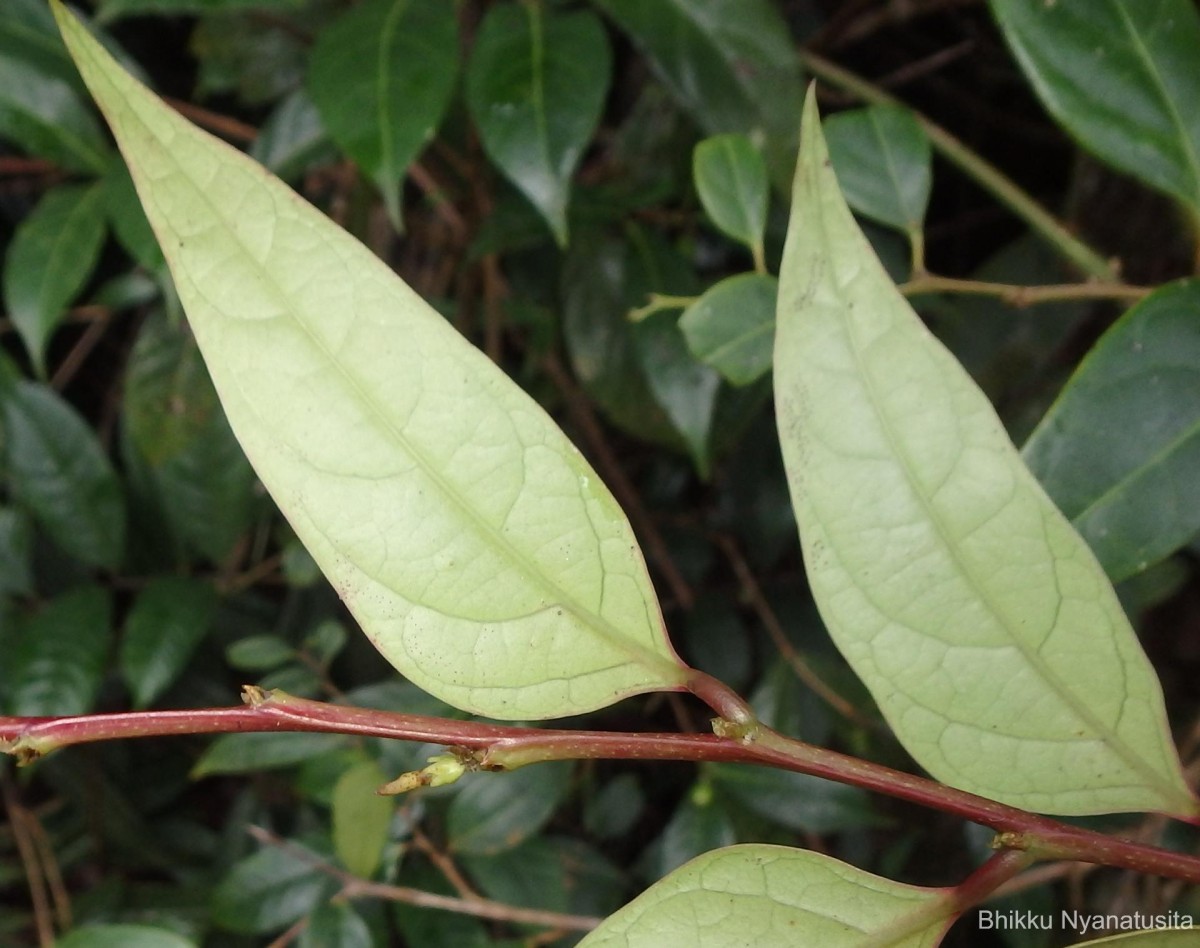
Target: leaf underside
(775, 897)
(975, 614)
(476, 547)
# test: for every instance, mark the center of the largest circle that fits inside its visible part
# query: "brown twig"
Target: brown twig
(80, 351)
(354, 887)
(753, 595)
(43, 917)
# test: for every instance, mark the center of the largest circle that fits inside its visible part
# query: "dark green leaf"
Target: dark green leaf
(268, 891)
(176, 424)
(732, 326)
(361, 818)
(123, 936)
(112, 9)
(536, 85)
(259, 653)
(335, 926)
(58, 471)
(496, 812)
(1120, 75)
(168, 620)
(548, 872)
(882, 158)
(685, 388)
(326, 640)
(49, 261)
(604, 277)
(127, 218)
(1119, 451)
(435, 928)
(28, 32)
(43, 115)
(59, 654)
(615, 808)
(16, 553)
(247, 56)
(292, 137)
(381, 77)
(729, 63)
(797, 801)
(731, 180)
(698, 824)
(246, 753)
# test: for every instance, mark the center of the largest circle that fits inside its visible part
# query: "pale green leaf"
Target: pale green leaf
(731, 180)
(980, 621)
(1119, 450)
(123, 936)
(536, 86)
(1120, 75)
(49, 261)
(474, 544)
(883, 158)
(732, 326)
(1154, 938)
(361, 818)
(776, 897)
(381, 77)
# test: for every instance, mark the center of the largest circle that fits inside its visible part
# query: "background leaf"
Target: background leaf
(1120, 76)
(490, 815)
(775, 897)
(1120, 448)
(361, 818)
(50, 259)
(268, 891)
(396, 61)
(729, 63)
(368, 417)
(177, 425)
(123, 936)
(732, 326)
(979, 619)
(536, 84)
(731, 180)
(882, 157)
(43, 115)
(168, 620)
(59, 473)
(59, 654)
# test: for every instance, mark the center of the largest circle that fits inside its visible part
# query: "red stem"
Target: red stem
(503, 747)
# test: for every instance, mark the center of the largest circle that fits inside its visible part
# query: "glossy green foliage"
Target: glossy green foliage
(51, 256)
(1119, 75)
(59, 472)
(536, 83)
(732, 326)
(882, 159)
(775, 897)
(165, 625)
(60, 654)
(353, 407)
(731, 180)
(979, 619)
(728, 63)
(381, 78)
(1120, 448)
